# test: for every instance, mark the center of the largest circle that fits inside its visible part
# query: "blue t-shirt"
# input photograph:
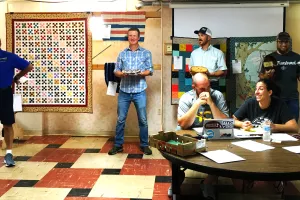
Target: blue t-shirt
(8, 62)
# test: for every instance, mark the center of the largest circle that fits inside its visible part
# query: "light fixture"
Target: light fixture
(229, 5)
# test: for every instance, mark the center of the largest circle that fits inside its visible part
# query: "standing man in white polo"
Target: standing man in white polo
(209, 57)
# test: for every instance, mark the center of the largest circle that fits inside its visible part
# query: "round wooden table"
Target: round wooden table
(271, 165)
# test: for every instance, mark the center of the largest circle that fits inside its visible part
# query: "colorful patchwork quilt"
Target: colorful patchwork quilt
(59, 47)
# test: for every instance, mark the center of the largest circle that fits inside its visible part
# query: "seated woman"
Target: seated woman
(262, 106)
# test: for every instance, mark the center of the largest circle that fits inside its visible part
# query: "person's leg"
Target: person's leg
(124, 100)
(7, 118)
(208, 186)
(293, 105)
(8, 136)
(140, 103)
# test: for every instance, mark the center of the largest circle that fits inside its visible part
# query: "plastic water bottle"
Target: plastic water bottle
(266, 126)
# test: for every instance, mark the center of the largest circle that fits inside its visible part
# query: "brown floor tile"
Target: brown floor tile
(70, 178)
(48, 139)
(58, 155)
(129, 147)
(5, 185)
(161, 191)
(85, 142)
(146, 167)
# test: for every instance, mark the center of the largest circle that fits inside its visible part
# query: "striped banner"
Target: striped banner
(121, 21)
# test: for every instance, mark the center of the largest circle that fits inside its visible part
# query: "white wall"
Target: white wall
(229, 22)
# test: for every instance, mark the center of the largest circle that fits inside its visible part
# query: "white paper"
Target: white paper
(236, 67)
(106, 29)
(111, 88)
(101, 31)
(23, 79)
(239, 133)
(187, 61)
(222, 156)
(294, 149)
(199, 130)
(282, 137)
(17, 103)
(252, 145)
(177, 60)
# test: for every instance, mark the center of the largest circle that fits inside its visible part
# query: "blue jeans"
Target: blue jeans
(140, 101)
(293, 105)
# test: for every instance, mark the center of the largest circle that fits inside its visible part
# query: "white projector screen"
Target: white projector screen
(229, 22)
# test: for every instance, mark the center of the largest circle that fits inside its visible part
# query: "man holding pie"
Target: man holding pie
(209, 57)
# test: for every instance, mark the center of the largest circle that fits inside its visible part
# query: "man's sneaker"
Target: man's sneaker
(8, 160)
(115, 150)
(146, 150)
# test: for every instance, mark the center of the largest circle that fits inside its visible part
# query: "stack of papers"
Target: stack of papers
(294, 149)
(252, 145)
(282, 137)
(222, 156)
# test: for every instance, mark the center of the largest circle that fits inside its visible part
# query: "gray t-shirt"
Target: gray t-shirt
(204, 112)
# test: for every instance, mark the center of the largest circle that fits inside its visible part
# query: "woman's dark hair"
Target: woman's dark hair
(269, 58)
(270, 85)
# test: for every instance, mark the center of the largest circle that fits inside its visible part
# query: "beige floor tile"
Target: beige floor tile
(85, 143)
(155, 154)
(25, 149)
(100, 160)
(21, 193)
(124, 186)
(26, 170)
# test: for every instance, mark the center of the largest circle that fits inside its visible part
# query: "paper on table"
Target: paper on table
(295, 149)
(252, 145)
(238, 133)
(282, 137)
(222, 156)
(199, 129)
(236, 67)
(111, 88)
(17, 103)
(177, 60)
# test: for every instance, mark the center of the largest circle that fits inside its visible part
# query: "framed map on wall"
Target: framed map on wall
(250, 51)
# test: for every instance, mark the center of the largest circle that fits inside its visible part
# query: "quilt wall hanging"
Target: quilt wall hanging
(121, 21)
(181, 78)
(59, 45)
(250, 51)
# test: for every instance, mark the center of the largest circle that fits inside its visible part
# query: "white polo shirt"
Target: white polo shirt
(212, 59)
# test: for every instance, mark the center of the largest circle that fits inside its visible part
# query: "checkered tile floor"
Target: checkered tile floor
(79, 168)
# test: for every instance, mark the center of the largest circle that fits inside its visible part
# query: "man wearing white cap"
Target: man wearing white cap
(208, 56)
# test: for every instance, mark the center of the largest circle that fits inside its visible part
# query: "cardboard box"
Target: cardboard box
(186, 145)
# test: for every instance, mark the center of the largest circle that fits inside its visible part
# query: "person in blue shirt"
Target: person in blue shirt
(8, 63)
(134, 63)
